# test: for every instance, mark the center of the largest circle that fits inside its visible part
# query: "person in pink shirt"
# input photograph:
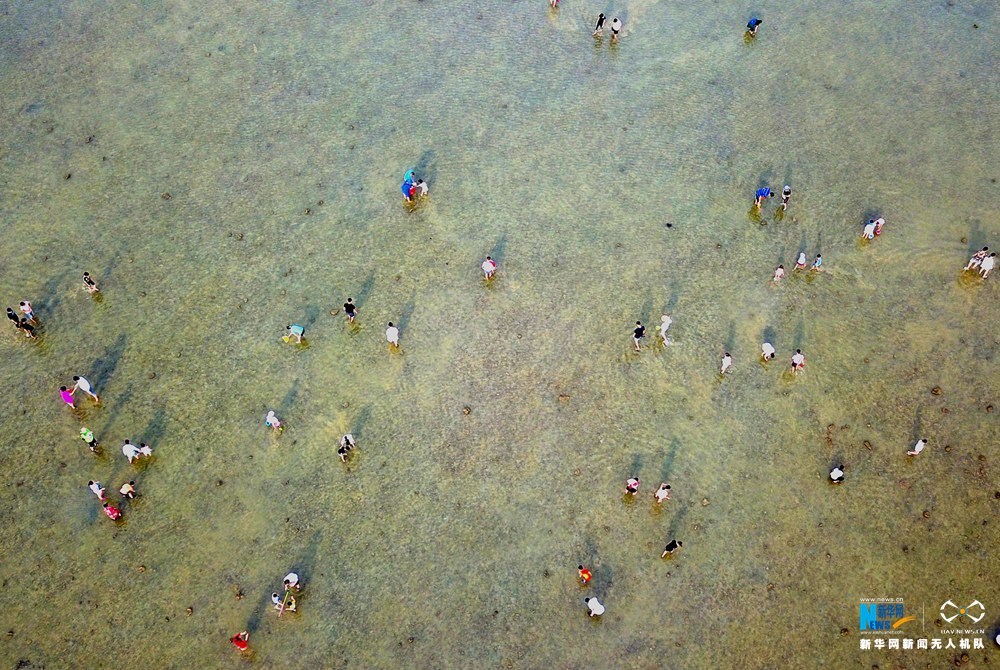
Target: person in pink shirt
(67, 396)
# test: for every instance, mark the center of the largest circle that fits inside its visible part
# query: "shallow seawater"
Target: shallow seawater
(224, 170)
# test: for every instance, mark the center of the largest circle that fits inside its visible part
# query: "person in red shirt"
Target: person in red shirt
(585, 575)
(113, 512)
(240, 640)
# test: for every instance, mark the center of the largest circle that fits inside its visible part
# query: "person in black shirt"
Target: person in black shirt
(350, 309)
(599, 29)
(89, 283)
(13, 317)
(28, 329)
(638, 334)
(671, 547)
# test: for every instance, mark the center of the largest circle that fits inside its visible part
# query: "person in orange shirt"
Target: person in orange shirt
(585, 575)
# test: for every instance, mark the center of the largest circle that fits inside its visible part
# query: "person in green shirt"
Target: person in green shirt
(87, 436)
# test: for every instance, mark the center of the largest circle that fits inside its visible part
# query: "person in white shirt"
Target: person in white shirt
(767, 351)
(837, 474)
(489, 267)
(662, 493)
(987, 265)
(291, 581)
(869, 232)
(616, 27)
(779, 272)
(727, 364)
(798, 361)
(145, 449)
(130, 450)
(97, 489)
(918, 447)
(392, 335)
(595, 606)
(422, 188)
(272, 421)
(800, 263)
(84, 385)
(665, 322)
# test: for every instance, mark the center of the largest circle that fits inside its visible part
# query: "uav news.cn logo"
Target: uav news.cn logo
(974, 611)
(885, 615)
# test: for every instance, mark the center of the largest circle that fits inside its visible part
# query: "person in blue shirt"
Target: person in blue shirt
(761, 195)
(752, 26)
(296, 331)
(408, 188)
(818, 263)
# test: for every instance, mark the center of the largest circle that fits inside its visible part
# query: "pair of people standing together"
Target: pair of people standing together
(616, 27)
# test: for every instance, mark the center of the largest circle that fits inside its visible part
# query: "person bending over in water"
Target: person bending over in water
(974, 262)
(767, 351)
(595, 606)
(869, 232)
(88, 437)
(241, 640)
(128, 490)
(296, 331)
(671, 547)
(984, 268)
(599, 28)
(918, 447)
(727, 364)
(632, 485)
(130, 451)
(346, 444)
(762, 194)
(97, 489)
(662, 493)
(272, 421)
(752, 26)
(89, 283)
(29, 330)
(113, 512)
(778, 274)
(85, 386)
